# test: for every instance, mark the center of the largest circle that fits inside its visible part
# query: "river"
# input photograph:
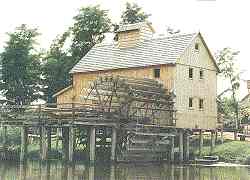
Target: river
(55, 170)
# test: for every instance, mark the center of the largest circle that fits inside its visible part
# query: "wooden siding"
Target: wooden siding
(128, 38)
(66, 97)
(196, 88)
(81, 80)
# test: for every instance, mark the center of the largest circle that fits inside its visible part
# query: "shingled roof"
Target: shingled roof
(156, 51)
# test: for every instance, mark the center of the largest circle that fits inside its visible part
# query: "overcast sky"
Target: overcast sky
(223, 23)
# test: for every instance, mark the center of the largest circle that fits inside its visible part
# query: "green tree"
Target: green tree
(133, 14)
(56, 66)
(21, 66)
(226, 59)
(90, 26)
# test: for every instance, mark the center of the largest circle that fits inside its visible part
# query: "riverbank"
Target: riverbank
(230, 151)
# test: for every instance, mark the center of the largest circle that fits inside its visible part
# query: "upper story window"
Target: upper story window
(201, 74)
(201, 103)
(196, 46)
(190, 73)
(190, 102)
(157, 72)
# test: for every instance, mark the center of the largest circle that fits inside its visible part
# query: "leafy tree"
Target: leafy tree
(91, 24)
(56, 66)
(226, 61)
(133, 14)
(89, 28)
(21, 66)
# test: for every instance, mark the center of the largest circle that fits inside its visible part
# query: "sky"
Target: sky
(223, 23)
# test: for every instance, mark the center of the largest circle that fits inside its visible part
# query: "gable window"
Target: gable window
(157, 73)
(190, 102)
(196, 46)
(190, 73)
(201, 103)
(201, 74)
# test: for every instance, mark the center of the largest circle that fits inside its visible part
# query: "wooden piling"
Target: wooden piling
(44, 144)
(113, 146)
(172, 149)
(24, 143)
(4, 141)
(65, 136)
(221, 136)
(71, 143)
(187, 147)
(181, 146)
(49, 138)
(212, 145)
(92, 145)
(200, 141)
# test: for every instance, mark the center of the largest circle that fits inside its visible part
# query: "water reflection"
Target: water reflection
(35, 170)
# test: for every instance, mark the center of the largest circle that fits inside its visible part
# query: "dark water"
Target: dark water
(35, 170)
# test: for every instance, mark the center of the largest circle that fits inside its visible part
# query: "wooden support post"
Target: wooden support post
(212, 142)
(172, 149)
(187, 150)
(22, 171)
(49, 138)
(181, 146)
(221, 136)
(24, 137)
(113, 146)
(201, 142)
(92, 145)
(44, 144)
(65, 136)
(40, 141)
(71, 143)
(5, 141)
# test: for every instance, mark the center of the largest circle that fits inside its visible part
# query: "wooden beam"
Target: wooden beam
(71, 144)
(24, 137)
(200, 141)
(113, 146)
(181, 146)
(187, 147)
(65, 136)
(92, 144)
(4, 141)
(44, 144)
(212, 142)
(172, 149)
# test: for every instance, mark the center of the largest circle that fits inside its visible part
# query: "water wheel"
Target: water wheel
(144, 101)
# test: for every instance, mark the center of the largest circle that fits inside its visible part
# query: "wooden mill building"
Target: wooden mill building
(182, 63)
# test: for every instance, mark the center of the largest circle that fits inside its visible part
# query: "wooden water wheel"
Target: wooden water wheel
(144, 101)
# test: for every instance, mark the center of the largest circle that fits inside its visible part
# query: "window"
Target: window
(201, 103)
(201, 74)
(190, 103)
(157, 73)
(196, 46)
(190, 73)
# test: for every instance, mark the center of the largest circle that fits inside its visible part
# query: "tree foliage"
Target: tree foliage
(227, 59)
(56, 66)
(133, 14)
(90, 26)
(21, 66)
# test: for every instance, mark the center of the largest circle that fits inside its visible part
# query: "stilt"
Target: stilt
(44, 144)
(172, 149)
(24, 136)
(221, 136)
(113, 146)
(71, 143)
(5, 141)
(49, 138)
(92, 145)
(22, 171)
(65, 136)
(40, 141)
(212, 142)
(181, 146)
(201, 142)
(187, 147)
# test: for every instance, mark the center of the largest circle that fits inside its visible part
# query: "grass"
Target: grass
(230, 151)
